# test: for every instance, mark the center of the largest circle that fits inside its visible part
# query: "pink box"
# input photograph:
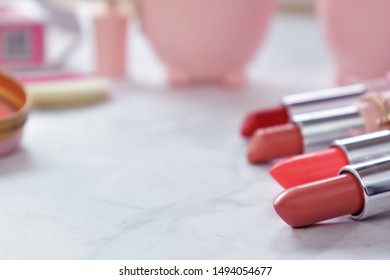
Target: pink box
(21, 40)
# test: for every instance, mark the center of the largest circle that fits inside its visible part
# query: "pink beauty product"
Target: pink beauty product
(21, 40)
(358, 36)
(206, 40)
(14, 107)
(36, 35)
(111, 37)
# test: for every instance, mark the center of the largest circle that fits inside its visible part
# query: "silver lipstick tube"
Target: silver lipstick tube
(366, 146)
(374, 178)
(319, 129)
(330, 98)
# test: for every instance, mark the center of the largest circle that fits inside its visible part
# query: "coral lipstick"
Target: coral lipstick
(361, 191)
(312, 203)
(327, 163)
(306, 168)
(309, 131)
(294, 104)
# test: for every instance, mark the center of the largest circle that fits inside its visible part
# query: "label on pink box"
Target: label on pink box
(21, 41)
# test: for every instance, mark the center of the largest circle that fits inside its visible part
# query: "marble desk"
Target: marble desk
(160, 173)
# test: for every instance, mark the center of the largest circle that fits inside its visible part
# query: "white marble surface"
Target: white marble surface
(157, 173)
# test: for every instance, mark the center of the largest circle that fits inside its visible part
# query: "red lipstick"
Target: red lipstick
(361, 191)
(294, 104)
(327, 163)
(264, 118)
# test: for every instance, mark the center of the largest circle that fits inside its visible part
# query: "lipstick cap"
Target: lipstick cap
(331, 98)
(374, 178)
(323, 99)
(319, 129)
(364, 147)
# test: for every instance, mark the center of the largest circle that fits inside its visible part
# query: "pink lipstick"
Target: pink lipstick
(361, 191)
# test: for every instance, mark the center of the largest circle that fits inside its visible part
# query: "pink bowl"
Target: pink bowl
(357, 31)
(206, 40)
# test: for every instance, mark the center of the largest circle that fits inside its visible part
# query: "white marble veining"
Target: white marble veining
(157, 173)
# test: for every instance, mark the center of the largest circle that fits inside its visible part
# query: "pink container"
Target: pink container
(111, 41)
(21, 40)
(358, 34)
(206, 40)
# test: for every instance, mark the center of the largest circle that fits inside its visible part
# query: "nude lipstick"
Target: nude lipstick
(308, 132)
(314, 131)
(361, 191)
(315, 166)
(307, 102)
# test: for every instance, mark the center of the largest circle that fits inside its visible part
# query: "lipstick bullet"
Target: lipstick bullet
(317, 130)
(361, 191)
(264, 118)
(315, 166)
(308, 132)
(294, 104)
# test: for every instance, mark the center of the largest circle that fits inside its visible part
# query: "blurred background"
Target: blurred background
(132, 149)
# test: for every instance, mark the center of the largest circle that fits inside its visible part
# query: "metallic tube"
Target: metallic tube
(374, 178)
(332, 97)
(319, 129)
(365, 147)
(323, 99)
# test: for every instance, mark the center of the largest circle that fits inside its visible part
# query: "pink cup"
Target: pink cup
(206, 40)
(357, 32)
